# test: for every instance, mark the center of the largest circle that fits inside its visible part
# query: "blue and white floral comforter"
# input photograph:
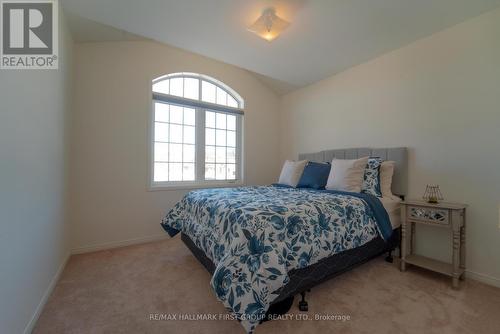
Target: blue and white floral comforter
(256, 235)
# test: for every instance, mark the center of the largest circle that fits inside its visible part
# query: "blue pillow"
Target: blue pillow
(315, 175)
(371, 179)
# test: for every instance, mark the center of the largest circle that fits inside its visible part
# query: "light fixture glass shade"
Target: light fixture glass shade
(269, 25)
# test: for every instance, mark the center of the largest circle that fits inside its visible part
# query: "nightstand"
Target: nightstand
(440, 215)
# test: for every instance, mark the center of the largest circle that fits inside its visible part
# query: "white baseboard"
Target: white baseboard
(86, 249)
(486, 279)
(117, 244)
(31, 324)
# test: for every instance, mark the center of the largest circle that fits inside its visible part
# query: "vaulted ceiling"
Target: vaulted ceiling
(324, 38)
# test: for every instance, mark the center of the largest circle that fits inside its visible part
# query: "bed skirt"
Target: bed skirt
(308, 277)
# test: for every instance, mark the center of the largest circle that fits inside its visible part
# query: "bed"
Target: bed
(264, 245)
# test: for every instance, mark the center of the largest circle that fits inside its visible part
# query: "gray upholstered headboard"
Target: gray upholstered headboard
(397, 154)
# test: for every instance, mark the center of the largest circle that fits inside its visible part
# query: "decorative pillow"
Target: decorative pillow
(371, 179)
(386, 173)
(291, 172)
(347, 175)
(315, 175)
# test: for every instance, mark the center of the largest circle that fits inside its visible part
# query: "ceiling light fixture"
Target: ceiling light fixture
(269, 25)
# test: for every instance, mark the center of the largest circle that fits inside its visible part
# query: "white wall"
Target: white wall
(440, 97)
(34, 238)
(111, 203)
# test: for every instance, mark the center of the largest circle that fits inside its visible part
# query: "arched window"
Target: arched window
(197, 131)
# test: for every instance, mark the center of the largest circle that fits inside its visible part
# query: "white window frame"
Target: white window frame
(200, 108)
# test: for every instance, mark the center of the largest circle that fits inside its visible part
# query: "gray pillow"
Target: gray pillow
(347, 175)
(291, 172)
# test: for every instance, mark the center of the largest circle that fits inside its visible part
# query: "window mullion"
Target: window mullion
(239, 148)
(200, 144)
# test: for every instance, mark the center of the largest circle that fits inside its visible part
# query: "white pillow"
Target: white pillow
(291, 172)
(347, 175)
(386, 173)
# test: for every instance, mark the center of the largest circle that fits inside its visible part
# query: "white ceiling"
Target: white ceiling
(84, 30)
(324, 38)
(88, 31)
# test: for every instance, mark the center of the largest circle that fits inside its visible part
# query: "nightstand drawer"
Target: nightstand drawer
(429, 215)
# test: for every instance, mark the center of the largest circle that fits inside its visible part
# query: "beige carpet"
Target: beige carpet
(116, 291)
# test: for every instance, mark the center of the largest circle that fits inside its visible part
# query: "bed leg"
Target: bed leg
(389, 257)
(303, 306)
